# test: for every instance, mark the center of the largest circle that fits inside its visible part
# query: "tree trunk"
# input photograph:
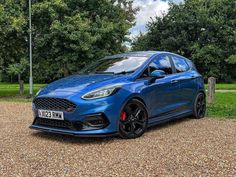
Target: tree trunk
(21, 87)
(0, 76)
(19, 78)
(66, 71)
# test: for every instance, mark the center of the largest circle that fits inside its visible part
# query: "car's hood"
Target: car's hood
(75, 83)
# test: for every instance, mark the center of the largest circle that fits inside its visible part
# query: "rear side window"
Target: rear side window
(191, 65)
(161, 63)
(180, 64)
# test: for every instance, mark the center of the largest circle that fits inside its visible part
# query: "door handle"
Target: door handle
(174, 81)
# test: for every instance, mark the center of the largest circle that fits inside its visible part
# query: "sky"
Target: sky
(148, 9)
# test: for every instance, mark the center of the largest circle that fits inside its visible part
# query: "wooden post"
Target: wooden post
(211, 89)
(21, 87)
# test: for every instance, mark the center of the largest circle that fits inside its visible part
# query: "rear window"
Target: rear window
(180, 64)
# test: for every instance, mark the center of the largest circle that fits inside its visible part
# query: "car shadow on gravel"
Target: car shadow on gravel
(169, 124)
(98, 140)
(72, 139)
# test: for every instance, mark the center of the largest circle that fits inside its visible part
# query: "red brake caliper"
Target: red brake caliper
(123, 116)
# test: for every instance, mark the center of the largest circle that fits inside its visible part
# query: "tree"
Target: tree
(198, 29)
(13, 31)
(18, 69)
(69, 34)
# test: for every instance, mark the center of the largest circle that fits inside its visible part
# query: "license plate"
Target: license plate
(51, 114)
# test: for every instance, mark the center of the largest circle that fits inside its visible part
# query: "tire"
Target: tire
(199, 106)
(133, 120)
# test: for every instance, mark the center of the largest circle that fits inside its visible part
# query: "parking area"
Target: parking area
(186, 147)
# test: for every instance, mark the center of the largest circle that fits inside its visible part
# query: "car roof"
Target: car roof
(134, 54)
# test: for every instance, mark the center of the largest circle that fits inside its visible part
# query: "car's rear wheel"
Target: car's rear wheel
(133, 119)
(200, 106)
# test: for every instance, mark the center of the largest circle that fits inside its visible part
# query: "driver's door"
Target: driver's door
(163, 93)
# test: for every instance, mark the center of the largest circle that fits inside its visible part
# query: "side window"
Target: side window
(180, 64)
(161, 63)
(145, 73)
(191, 65)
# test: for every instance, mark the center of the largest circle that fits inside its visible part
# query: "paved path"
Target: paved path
(224, 90)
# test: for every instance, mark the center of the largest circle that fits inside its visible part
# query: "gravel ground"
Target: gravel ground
(187, 147)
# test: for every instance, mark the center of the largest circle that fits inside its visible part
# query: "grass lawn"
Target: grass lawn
(15, 99)
(7, 89)
(224, 86)
(224, 106)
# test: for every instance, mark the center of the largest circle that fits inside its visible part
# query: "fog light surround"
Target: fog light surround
(95, 121)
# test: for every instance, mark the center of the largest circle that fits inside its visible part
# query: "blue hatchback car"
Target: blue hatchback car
(121, 94)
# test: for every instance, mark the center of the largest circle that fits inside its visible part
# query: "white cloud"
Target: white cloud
(148, 9)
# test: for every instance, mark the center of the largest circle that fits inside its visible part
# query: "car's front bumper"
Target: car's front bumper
(110, 107)
(87, 133)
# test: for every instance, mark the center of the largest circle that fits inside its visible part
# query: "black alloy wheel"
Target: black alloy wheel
(200, 106)
(133, 120)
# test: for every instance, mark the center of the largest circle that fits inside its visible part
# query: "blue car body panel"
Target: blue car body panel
(164, 99)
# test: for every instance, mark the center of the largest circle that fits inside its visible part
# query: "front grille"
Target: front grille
(64, 124)
(56, 104)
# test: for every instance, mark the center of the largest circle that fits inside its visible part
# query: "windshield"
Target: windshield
(116, 65)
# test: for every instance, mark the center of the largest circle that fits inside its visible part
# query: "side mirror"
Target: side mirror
(158, 74)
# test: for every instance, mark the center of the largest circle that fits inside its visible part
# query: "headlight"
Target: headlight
(102, 92)
(39, 91)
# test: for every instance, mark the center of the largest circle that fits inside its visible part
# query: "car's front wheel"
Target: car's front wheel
(133, 119)
(200, 106)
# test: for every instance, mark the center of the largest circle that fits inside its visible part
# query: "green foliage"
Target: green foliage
(204, 31)
(231, 59)
(17, 68)
(13, 33)
(67, 34)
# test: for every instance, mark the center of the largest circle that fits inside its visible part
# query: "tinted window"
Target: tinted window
(145, 73)
(161, 63)
(180, 64)
(191, 65)
(116, 65)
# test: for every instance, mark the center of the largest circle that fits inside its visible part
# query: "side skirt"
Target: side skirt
(163, 119)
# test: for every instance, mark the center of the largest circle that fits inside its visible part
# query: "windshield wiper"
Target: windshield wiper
(124, 72)
(102, 72)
